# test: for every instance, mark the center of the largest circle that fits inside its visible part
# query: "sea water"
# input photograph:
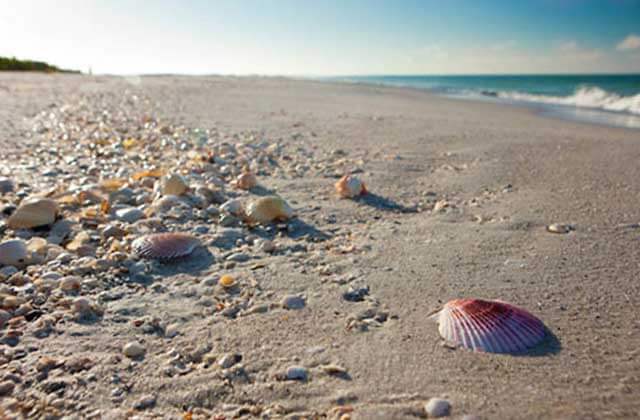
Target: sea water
(605, 99)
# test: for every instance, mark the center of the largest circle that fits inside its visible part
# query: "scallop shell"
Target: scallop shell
(164, 246)
(227, 281)
(350, 186)
(174, 184)
(246, 181)
(33, 212)
(489, 326)
(14, 252)
(268, 209)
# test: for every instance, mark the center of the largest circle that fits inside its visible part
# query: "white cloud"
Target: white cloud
(631, 42)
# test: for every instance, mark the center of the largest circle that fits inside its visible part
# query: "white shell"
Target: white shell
(14, 252)
(165, 246)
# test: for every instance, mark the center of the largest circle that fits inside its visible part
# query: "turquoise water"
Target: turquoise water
(608, 99)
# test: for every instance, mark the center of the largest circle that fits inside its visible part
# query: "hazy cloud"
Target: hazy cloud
(574, 50)
(631, 42)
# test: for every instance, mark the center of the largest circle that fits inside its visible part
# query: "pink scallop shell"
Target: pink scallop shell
(489, 326)
(164, 246)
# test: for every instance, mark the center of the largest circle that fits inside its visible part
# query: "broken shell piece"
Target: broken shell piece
(559, 228)
(33, 212)
(174, 184)
(246, 181)
(268, 209)
(350, 186)
(14, 252)
(489, 326)
(165, 246)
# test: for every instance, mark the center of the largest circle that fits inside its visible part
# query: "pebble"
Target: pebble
(133, 349)
(147, 401)
(129, 214)
(471, 417)
(6, 185)
(297, 373)
(265, 245)
(6, 388)
(82, 306)
(238, 257)
(293, 302)
(437, 407)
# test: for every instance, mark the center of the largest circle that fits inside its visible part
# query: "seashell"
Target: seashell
(227, 281)
(489, 326)
(111, 185)
(14, 252)
(350, 186)
(559, 228)
(33, 212)
(268, 209)
(164, 246)
(246, 181)
(174, 184)
(232, 207)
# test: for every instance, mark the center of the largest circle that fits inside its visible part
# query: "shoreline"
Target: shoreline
(460, 197)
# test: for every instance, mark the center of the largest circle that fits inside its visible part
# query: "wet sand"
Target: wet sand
(505, 174)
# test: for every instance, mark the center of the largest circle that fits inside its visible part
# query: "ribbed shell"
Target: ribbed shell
(164, 246)
(489, 326)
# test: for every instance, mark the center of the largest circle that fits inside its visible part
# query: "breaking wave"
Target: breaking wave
(584, 97)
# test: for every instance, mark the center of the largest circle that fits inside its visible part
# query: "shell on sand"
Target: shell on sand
(350, 186)
(268, 209)
(33, 212)
(246, 181)
(174, 184)
(14, 252)
(164, 246)
(559, 228)
(489, 326)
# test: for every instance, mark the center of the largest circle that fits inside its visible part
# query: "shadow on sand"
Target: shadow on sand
(382, 203)
(549, 346)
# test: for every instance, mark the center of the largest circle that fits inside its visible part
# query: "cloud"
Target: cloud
(631, 42)
(572, 49)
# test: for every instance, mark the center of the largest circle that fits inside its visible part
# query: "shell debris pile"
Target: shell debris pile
(113, 215)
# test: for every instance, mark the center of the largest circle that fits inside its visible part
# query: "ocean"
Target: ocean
(604, 99)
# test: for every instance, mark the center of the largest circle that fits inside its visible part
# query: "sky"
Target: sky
(325, 37)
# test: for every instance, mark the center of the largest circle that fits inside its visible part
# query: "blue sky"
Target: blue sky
(326, 37)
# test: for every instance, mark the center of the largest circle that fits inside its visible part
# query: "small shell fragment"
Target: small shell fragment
(165, 246)
(489, 326)
(174, 184)
(227, 281)
(33, 212)
(350, 186)
(246, 181)
(559, 228)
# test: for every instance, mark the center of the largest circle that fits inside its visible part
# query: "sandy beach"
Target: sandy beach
(460, 197)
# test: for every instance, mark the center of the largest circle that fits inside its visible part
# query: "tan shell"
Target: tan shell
(350, 186)
(268, 209)
(174, 184)
(33, 212)
(14, 252)
(246, 181)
